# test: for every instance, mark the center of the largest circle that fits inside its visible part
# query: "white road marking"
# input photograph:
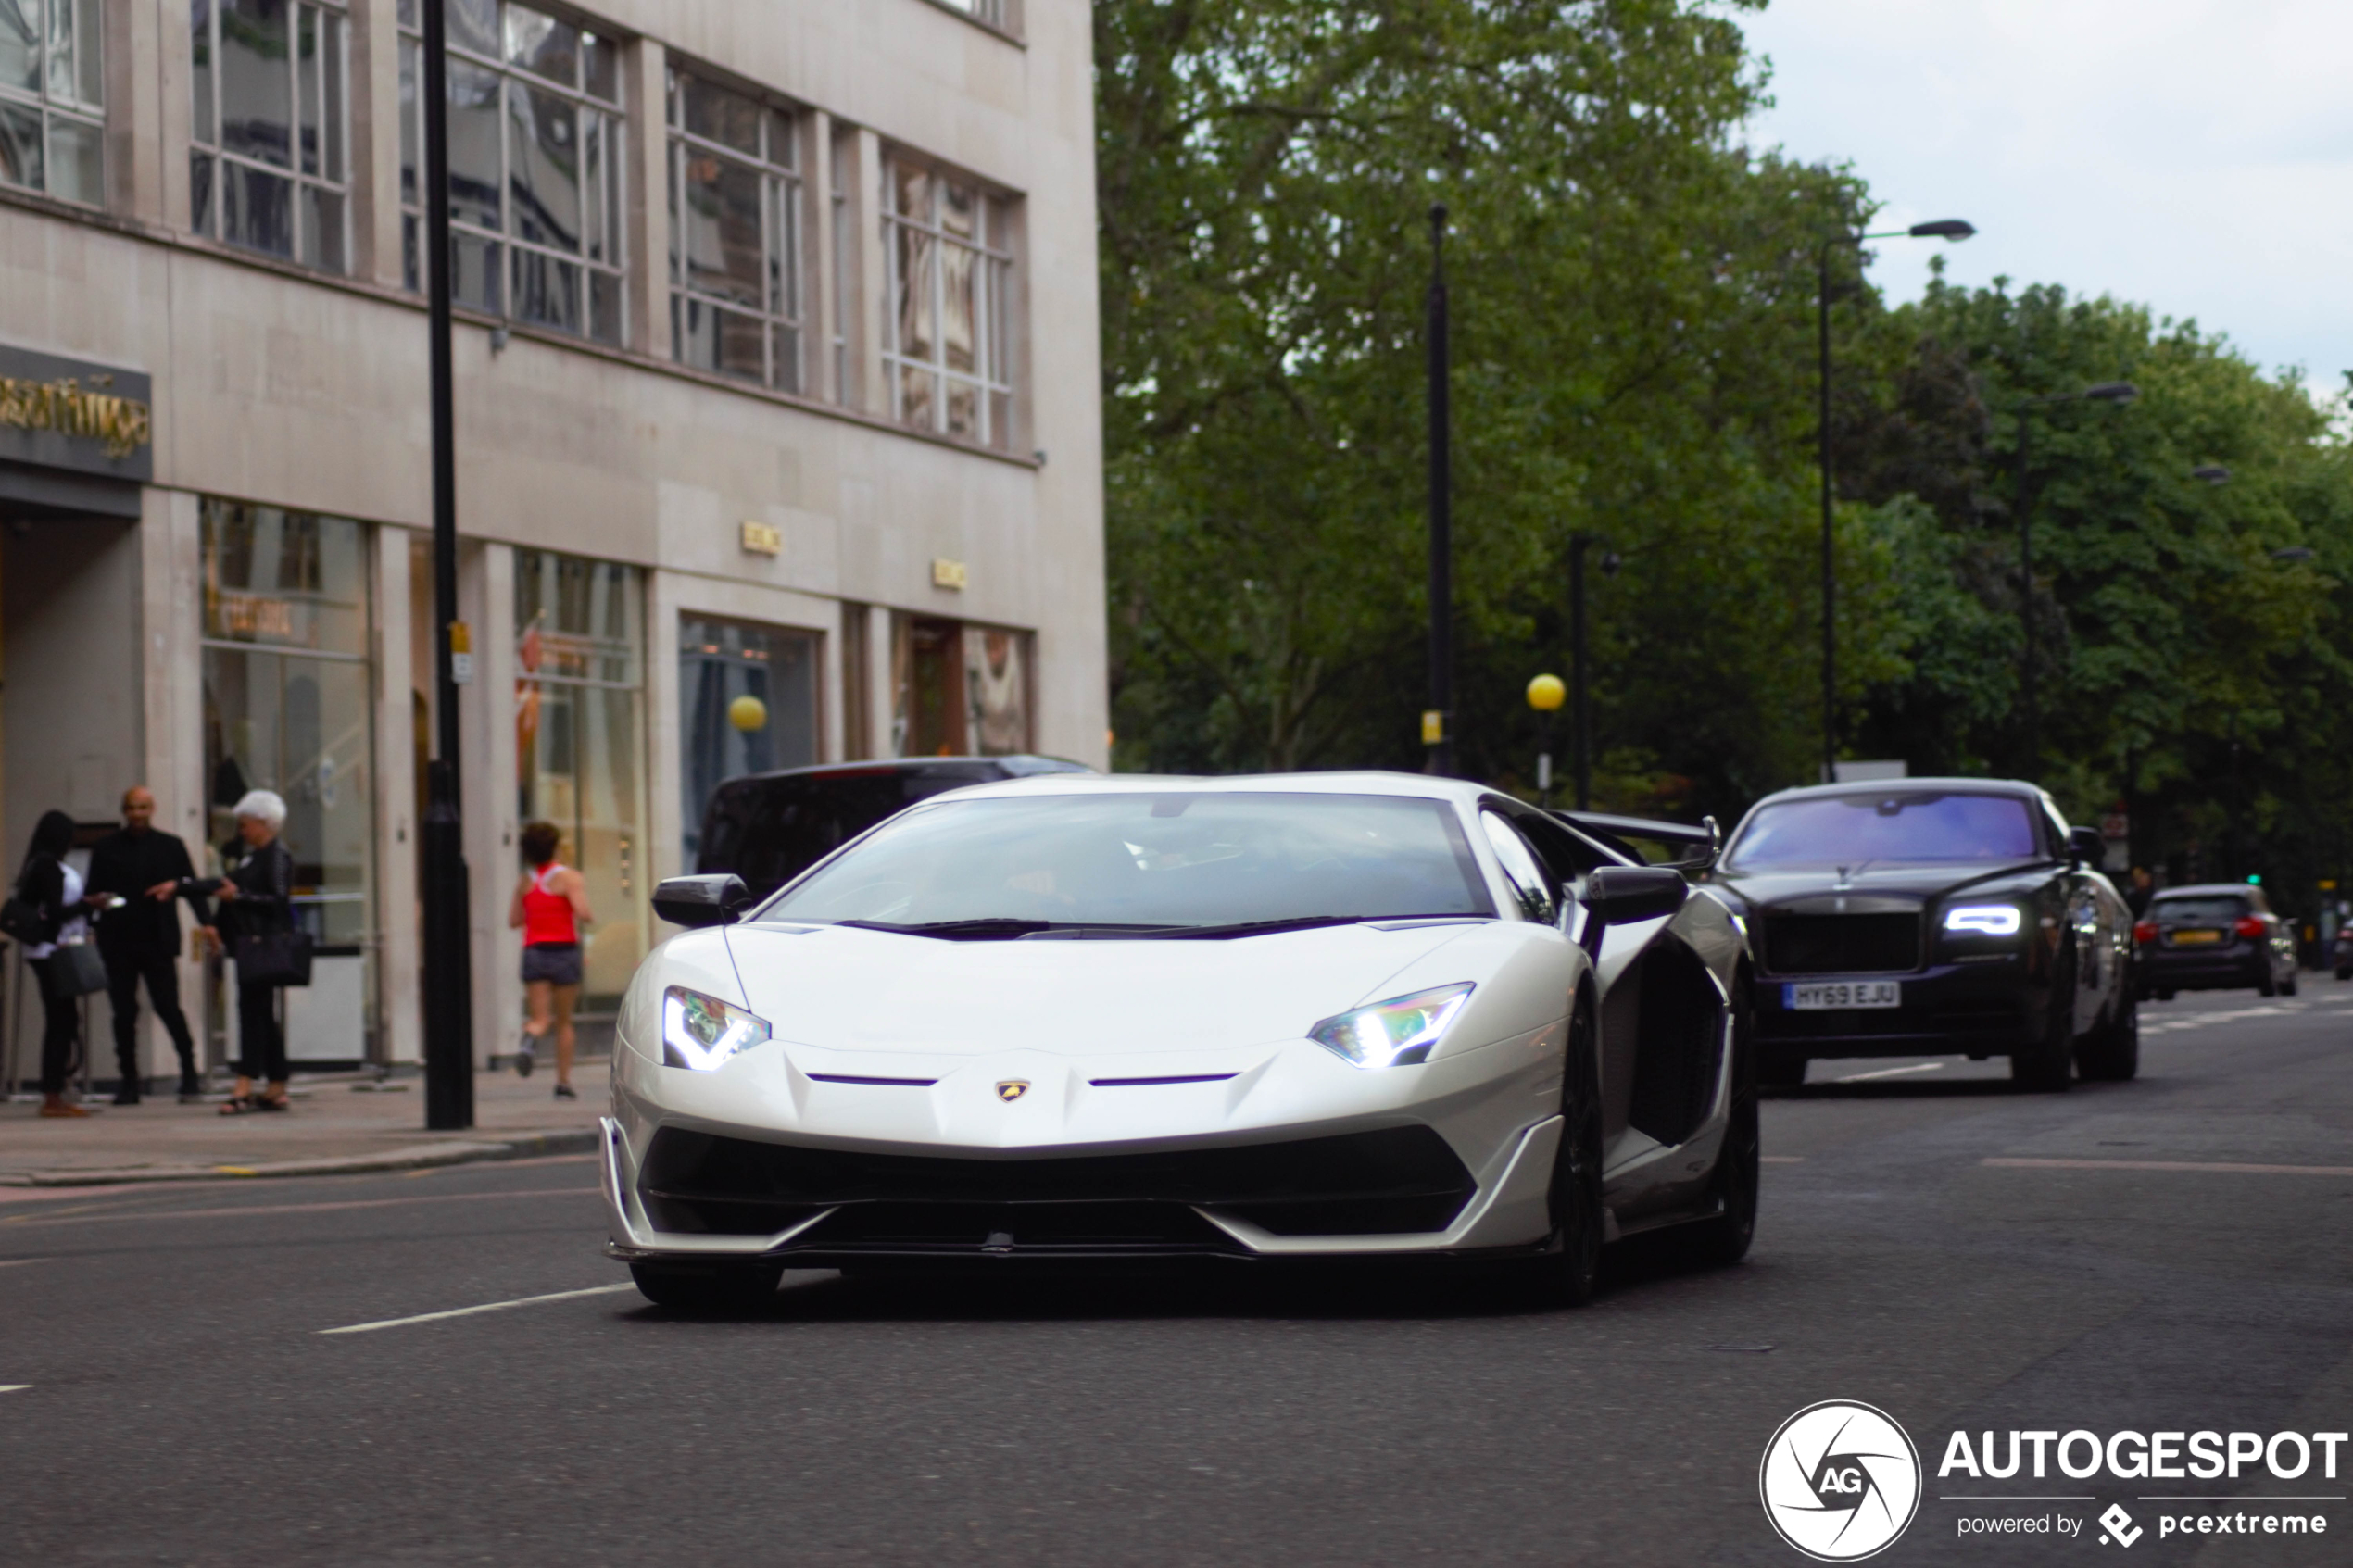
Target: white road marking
(248, 1209)
(2171, 1165)
(14, 1388)
(485, 1307)
(17, 1263)
(1889, 1072)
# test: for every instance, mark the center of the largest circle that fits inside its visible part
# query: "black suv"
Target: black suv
(768, 828)
(2214, 936)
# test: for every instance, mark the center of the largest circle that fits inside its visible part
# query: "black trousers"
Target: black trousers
(162, 971)
(261, 1045)
(60, 1030)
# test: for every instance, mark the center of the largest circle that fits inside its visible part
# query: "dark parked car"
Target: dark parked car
(2214, 936)
(1927, 917)
(768, 828)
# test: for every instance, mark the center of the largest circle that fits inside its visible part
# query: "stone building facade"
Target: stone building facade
(776, 377)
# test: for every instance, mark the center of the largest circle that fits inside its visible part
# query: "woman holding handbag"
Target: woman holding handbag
(257, 901)
(52, 890)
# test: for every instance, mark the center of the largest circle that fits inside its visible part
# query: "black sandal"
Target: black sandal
(240, 1105)
(263, 1102)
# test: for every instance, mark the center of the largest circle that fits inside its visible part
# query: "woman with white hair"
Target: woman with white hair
(257, 898)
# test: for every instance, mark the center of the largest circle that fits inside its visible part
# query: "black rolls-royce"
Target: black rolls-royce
(1931, 917)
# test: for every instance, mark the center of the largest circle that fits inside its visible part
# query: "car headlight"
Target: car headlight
(701, 1031)
(1396, 1033)
(1982, 920)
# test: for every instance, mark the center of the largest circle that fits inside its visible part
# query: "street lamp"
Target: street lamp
(1941, 228)
(2117, 392)
(1438, 720)
(1546, 695)
(1581, 714)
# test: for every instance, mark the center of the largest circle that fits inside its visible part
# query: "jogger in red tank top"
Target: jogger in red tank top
(549, 907)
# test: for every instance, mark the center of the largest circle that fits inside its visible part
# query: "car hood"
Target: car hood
(1916, 883)
(850, 989)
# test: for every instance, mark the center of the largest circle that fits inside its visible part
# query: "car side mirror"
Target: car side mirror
(701, 900)
(2085, 847)
(1624, 895)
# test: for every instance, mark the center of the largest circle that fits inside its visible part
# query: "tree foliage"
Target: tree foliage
(1633, 309)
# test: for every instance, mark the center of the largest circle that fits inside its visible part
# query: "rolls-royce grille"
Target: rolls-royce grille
(1842, 943)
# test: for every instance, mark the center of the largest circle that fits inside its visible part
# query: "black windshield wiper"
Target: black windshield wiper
(1260, 927)
(995, 928)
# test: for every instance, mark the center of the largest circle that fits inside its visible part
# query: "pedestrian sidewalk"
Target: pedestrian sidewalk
(336, 1124)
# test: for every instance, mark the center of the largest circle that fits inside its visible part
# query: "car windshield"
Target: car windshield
(1182, 860)
(1846, 830)
(2215, 908)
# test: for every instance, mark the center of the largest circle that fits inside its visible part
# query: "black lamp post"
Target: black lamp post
(1438, 720)
(2118, 391)
(1941, 229)
(1580, 716)
(449, 979)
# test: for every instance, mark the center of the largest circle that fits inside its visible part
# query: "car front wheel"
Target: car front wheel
(1565, 1274)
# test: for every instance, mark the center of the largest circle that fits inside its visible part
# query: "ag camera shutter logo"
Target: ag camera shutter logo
(1839, 1481)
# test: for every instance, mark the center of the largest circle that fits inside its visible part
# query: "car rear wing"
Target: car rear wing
(1702, 843)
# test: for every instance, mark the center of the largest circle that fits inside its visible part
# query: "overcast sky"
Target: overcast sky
(2194, 156)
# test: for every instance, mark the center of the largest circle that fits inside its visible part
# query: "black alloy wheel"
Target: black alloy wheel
(1725, 1239)
(2288, 988)
(2046, 1064)
(2111, 1054)
(729, 1286)
(1565, 1274)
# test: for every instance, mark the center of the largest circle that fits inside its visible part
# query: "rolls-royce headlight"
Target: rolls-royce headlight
(1982, 920)
(701, 1031)
(1397, 1033)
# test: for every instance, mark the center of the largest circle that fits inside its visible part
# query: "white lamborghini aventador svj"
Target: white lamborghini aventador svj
(1088, 1018)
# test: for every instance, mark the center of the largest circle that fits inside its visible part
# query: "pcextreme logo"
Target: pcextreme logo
(1839, 1481)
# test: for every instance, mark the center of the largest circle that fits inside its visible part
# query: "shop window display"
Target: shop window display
(580, 741)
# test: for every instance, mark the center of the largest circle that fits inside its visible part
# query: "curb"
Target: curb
(584, 1140)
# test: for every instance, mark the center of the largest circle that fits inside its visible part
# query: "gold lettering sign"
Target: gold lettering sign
(122, 424)
(252, 615)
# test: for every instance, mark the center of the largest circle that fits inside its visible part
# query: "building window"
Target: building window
(948, 245)
(269, 165)
(991, 11)
(748, 701)
(734, 234)
(288, 698)
(51, 137)
(958, 689)
(579, 738)
(534, 166)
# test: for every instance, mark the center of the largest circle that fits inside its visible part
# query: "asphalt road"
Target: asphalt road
(180, 1405)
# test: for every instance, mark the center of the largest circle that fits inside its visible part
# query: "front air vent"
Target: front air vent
(884, 1083)
(1148, 1083)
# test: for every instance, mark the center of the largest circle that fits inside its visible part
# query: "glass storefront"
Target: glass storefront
(958, 689)
(287, 707)
(748, 697)
(580, 741)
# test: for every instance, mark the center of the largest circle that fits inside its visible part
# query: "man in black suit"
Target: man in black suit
(140, 939)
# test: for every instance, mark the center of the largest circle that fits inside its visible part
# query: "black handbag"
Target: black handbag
(274, 958)
(20, 918)
(76, 969)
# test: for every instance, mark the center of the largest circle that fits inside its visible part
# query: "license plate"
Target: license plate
(1819, 994)
(2196, 938)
